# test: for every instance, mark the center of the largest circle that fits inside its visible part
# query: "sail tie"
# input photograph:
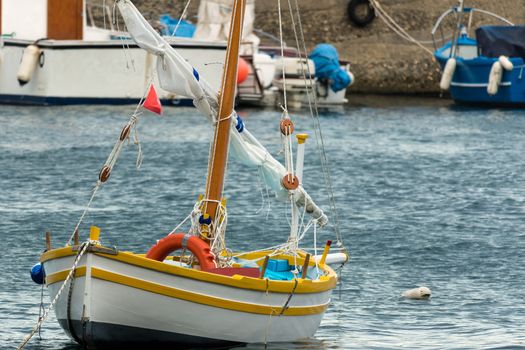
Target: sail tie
(226, 118)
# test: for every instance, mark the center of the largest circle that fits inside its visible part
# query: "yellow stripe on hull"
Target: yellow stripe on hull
(304, 286)
(205, 299)
(62, 275)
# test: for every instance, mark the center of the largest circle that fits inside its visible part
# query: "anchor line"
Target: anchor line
(285, 307)
(68, 314)
(83, 250)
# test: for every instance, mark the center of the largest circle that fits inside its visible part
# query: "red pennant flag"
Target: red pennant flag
(152, 101)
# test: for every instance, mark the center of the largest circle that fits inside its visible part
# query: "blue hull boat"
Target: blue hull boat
(487, 70)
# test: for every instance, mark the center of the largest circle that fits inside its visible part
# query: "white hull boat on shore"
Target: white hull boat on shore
(80, 63)
(94, 72)
(272, 70)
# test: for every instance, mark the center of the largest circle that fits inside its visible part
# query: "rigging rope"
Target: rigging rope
(125, 42)
(116, 151)
(282, 54)
(314, 112)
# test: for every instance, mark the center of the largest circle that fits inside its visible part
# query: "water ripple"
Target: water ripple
(427, 195)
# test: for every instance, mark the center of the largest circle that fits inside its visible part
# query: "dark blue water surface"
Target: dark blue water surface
(427, 195)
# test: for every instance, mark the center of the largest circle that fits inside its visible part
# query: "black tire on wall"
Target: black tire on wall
(360, 12)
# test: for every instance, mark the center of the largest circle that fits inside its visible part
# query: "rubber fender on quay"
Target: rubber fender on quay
(360, 12)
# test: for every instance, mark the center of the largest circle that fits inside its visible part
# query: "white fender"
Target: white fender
(333, 258)
(448, 73)
(417, 293)
(352, 78)
(506, 63)
(496, 72)
(28, 64)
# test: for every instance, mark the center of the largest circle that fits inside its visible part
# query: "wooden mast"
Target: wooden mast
(221, 140)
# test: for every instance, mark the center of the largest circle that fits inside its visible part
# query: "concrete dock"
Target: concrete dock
(382, 62)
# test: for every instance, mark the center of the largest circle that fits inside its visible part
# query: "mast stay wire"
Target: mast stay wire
(115, 153)
(314, 112)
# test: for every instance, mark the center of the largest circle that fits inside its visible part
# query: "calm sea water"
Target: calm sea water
(427, 195)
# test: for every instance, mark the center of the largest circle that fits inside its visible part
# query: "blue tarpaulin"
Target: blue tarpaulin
(494, 41)
(185, 29)
(326, 61)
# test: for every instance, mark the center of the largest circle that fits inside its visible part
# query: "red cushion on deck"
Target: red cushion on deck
(230, 271)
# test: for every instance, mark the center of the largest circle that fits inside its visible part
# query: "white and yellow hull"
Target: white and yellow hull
(124, 298)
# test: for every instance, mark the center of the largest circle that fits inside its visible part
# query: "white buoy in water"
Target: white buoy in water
(28, 64)
(496, 72)
(448, 73)
(417, 293)
(505, 63)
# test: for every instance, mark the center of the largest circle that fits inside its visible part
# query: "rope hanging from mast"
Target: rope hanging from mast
(105, 171)
(314, 113)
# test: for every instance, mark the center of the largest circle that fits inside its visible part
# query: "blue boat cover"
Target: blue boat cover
(185, 29)
(326, 61)
(494, 41)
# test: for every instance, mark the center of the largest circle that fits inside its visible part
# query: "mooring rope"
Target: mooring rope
(183, 15)
(41, 320)
(286, 305)
(395, 27)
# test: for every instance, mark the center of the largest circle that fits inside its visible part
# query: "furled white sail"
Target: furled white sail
(178, 76)
(175, 73)
(214, 23)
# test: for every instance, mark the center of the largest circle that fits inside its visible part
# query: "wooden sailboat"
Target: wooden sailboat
(104, 297)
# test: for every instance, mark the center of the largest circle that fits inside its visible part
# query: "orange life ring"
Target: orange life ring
(197, 246)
